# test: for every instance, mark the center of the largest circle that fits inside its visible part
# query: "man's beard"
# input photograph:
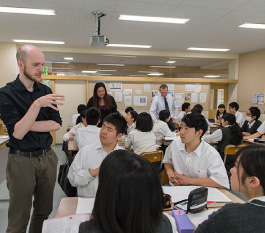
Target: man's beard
(29, 76)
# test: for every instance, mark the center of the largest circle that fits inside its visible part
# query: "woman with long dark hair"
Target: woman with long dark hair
(220, 112)
(129, 198)
(248, 179)
(102, 101)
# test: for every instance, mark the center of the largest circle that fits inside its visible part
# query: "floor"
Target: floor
(58, 193)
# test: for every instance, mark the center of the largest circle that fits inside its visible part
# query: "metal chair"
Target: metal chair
(232, 150)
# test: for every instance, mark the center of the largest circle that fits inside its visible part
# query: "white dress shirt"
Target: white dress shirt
(87, 135)
(72, 131)
(203, 162)
(161, 130)
(261, 129)
(239, 118)
(216, 136)
(141, 141)
(74, 118)
(130, 127)
(89, 157)
(158, 104)
(180, 116)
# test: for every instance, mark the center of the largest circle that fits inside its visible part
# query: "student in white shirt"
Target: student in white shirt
(192, 161)
(164, 101)
(233, 108)
(161, 129)
(84, 170)
(185, 110)
(71, 134)
(131, 118)
(142, 137)
(80, 108)
(89, 134)
(261, 131)
(248, 179)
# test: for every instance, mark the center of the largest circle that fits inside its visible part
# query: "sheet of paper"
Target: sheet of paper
(179, 96)
(261, 99)
(85, 205)
(189, 87)
(198, 218)
(171, 93)
(194, 97)
(138, 92)
(202, 97)
(4, 136)
(170, 138)
(171, 87)
(197, 88)
(140, 100)
(127, 91)
(115, 86)
(127, 100)
(179, 193)
(147, 87)
(118, 97)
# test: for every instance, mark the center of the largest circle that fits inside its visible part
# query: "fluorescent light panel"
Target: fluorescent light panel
(130, 46)
(212, 76)
(156, 74)
(208, 49)
(110, 64)
(253, 25)
(171, 62)
(118, 56)
(26, 11)
(69, 58)
(61, 62)
(106, 70)
(153, 19)
(166, 67)
(38, 41)
(137, 75)
(89, 71)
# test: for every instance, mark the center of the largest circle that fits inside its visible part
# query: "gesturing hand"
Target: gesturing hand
(49, 100)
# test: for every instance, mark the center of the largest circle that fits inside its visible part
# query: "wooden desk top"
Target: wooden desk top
(68, 205)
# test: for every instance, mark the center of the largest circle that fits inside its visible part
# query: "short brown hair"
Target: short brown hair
(163, 86)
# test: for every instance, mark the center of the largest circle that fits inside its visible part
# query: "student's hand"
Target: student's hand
(172, 176)
(94, 172)
(183, 179)
(49, 100)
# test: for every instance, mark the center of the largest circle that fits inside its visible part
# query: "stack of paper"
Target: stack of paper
(85, 205)
(198, 218)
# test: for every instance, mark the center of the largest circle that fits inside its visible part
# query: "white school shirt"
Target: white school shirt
(130, 127)
(141, 141)
(203, 162)
(216, 136)
(74, 118)
(158, 104)
(89, 157)
(261, 129)
(180, 116)
(239, 118)
(72, 131)
(87, 135)
(161, 130)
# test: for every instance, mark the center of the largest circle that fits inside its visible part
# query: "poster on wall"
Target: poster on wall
(138, 92)
(127, 91)
(189, 87)
(118, 97)
(127, 100)
(171, 93)
(261, 99)
(197, 87)
(194, 97)
(255, 98)
(202, 97)
(187, 97)
(154, 94)
(147, 87)
(140, 100)
(171, 87)
(115, 86)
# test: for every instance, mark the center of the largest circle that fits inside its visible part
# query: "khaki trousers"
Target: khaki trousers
(28, 177)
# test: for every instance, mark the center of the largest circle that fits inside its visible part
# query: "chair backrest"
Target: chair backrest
(153, 156)
(232, 150)
(164, 178)
(177, 125)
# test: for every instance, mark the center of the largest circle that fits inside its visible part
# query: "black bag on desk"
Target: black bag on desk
(64, 183)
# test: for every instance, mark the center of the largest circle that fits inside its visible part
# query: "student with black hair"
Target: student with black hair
(70, 135)
(90, 134)
(76, 117)
(161, 128)
(233, 108)
(142, 137)
(128, 109)
(192, 161)
(230, 133)
(185, 110)
(260, 132)
(131, 118)
(129, 198)
(220, 112)
(248, 179)
(252, 122)
(84, 170)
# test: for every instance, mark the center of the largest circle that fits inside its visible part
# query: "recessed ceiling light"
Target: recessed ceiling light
(156, 74)
(26, 11)
(253, 25)
(130, 46)
(89, 71)
(153, 19)
(108, 55)
(110, 64)
(69, 58)
(171, 62)
(212, 76)
(166, 67)
(61, 62)
(107, 70)
(38, 41)
(208, 49)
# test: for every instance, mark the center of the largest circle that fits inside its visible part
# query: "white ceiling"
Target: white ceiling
(214, 23)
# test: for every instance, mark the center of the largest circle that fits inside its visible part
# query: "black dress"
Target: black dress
(104, 112)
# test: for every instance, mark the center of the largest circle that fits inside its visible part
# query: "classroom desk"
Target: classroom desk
(68, 205)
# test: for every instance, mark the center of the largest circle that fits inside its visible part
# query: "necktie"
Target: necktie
(166, 104)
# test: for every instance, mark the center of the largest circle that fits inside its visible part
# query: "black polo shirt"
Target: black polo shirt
(15, 100)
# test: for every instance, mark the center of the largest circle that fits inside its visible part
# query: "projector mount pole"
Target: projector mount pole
(98, 15)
